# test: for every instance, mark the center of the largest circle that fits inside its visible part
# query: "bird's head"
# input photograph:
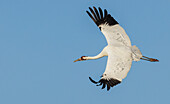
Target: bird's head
(82, 58)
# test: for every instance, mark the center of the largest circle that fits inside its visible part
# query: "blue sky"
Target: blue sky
(40, 39)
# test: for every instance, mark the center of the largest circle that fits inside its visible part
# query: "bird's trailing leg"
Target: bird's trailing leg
(149, 59)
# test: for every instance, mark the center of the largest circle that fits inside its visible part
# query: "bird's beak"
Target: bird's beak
(78, 60)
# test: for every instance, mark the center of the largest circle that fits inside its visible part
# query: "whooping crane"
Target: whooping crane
(119, 50)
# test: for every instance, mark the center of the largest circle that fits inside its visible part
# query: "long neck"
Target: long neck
(100, 55)
(94, 57)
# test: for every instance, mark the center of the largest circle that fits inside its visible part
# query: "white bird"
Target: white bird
(119, 50)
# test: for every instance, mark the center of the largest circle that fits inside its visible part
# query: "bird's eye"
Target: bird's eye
(82, 57)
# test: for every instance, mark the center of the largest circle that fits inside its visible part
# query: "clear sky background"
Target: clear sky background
(40, 39)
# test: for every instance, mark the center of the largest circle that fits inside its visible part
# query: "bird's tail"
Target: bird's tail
(149, 59)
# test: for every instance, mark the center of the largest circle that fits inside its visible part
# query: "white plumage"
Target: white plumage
(119, 50)
(115, 35)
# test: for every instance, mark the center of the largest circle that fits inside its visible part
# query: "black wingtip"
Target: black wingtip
(101, 13)
(101, 18)
(104, 85)
(105, 13)
(109, 83)
(108, 86)
(93, 80)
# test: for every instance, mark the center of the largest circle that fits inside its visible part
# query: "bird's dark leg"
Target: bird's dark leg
(149, 59)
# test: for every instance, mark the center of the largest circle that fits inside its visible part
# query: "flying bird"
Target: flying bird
(119, 50)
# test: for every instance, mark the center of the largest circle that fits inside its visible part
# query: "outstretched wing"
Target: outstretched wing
(111, 29)
(118, 65)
